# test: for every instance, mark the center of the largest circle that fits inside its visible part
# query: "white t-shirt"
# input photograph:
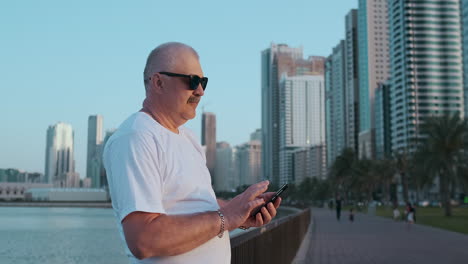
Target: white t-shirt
(151, 169)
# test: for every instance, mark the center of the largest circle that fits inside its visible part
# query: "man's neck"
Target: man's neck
(161, 118)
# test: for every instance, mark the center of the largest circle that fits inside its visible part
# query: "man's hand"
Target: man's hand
(238, 210)
(267, 213)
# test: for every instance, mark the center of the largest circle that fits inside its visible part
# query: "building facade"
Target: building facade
(66, 195)
(351, 81)
(373, 66)
(94, 150)
(464, 16)
(248, 162)
(426, 60)
(16, 191)
(104, 182)
(256, 135)
(209, 141)
(382, 122)
(60, 161)
(335, 86)
(19, 176)
(277, 61)
(224, 167)
(302, 119)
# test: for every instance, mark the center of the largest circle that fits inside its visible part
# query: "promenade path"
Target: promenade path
(373, 239)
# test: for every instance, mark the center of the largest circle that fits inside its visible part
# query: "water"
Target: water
(59, 235)
(30, 235)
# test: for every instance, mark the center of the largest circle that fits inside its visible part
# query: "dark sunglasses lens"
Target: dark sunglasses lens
(204, 82)
(194, 82)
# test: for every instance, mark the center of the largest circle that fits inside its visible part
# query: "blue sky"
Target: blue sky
(65, 60)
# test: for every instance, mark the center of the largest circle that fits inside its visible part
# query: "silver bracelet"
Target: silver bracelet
(221, 231)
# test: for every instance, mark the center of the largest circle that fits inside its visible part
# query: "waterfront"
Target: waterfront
(59, 235)
(56, 235)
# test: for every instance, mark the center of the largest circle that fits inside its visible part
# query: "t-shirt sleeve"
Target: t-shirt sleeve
(134, 171)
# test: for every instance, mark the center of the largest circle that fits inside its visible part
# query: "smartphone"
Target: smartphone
(272, 200)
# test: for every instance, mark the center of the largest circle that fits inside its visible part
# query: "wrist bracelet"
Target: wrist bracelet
(244, 227)
(221, 230)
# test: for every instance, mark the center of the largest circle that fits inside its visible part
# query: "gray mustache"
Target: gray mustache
(194, 100)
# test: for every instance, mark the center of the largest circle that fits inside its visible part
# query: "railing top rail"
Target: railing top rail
(241, 238)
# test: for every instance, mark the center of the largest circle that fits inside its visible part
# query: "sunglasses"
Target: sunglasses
(195, 80)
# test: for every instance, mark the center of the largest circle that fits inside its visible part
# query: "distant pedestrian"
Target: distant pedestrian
(396, 213)
(338, 207)
(409, 213)
(351, 215)
(409, 216)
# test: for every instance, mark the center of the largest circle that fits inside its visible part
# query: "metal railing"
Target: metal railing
(277, 242)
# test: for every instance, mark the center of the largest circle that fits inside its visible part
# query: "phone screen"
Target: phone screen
(272, 200)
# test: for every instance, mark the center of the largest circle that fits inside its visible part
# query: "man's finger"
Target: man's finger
(257, 191)
(278, 202)
(267, 196)
(259, 184)
(259, 219)
(266, 216)
(271, 209)
(255, 203)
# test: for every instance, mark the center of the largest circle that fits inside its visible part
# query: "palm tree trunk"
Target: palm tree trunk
(418, 193)
(393, 194)
(386, 192)
(453, 189)
(404, 183)
(445, 194)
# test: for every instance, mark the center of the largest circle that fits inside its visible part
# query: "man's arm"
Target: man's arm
(150, 234)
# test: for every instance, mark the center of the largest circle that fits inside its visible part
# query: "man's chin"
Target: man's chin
(189, 116)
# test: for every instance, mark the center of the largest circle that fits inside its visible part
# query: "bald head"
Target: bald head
(165, 58)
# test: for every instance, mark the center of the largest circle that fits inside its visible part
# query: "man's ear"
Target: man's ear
(157, 83)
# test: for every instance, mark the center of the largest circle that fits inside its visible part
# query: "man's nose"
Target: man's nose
(199, 91)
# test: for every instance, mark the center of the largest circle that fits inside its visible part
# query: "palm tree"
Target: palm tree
(401, 160)
(341, 171)
(385, 170)
(443, 146)
(364, 177)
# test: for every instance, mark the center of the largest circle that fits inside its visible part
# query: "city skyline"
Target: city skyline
(87, 58)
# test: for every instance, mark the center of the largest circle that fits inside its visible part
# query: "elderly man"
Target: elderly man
(159, 183)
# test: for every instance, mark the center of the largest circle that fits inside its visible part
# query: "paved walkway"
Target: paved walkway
(372, 239)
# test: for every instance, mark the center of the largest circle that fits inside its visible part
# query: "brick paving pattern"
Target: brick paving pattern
(372, 239)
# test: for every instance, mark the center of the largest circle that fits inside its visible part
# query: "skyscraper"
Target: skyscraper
(464, 14)
(426, 60)
(351, 81)
(373, 66)
(382, 122)
(223, 167)
(302, 110)
(104, 182)
(256, 135)
(278, 60)
(335, 86)
(60, 162)
(309, 162)
(302, 119)
(94, 152)
(248, 162)
(209, 141)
